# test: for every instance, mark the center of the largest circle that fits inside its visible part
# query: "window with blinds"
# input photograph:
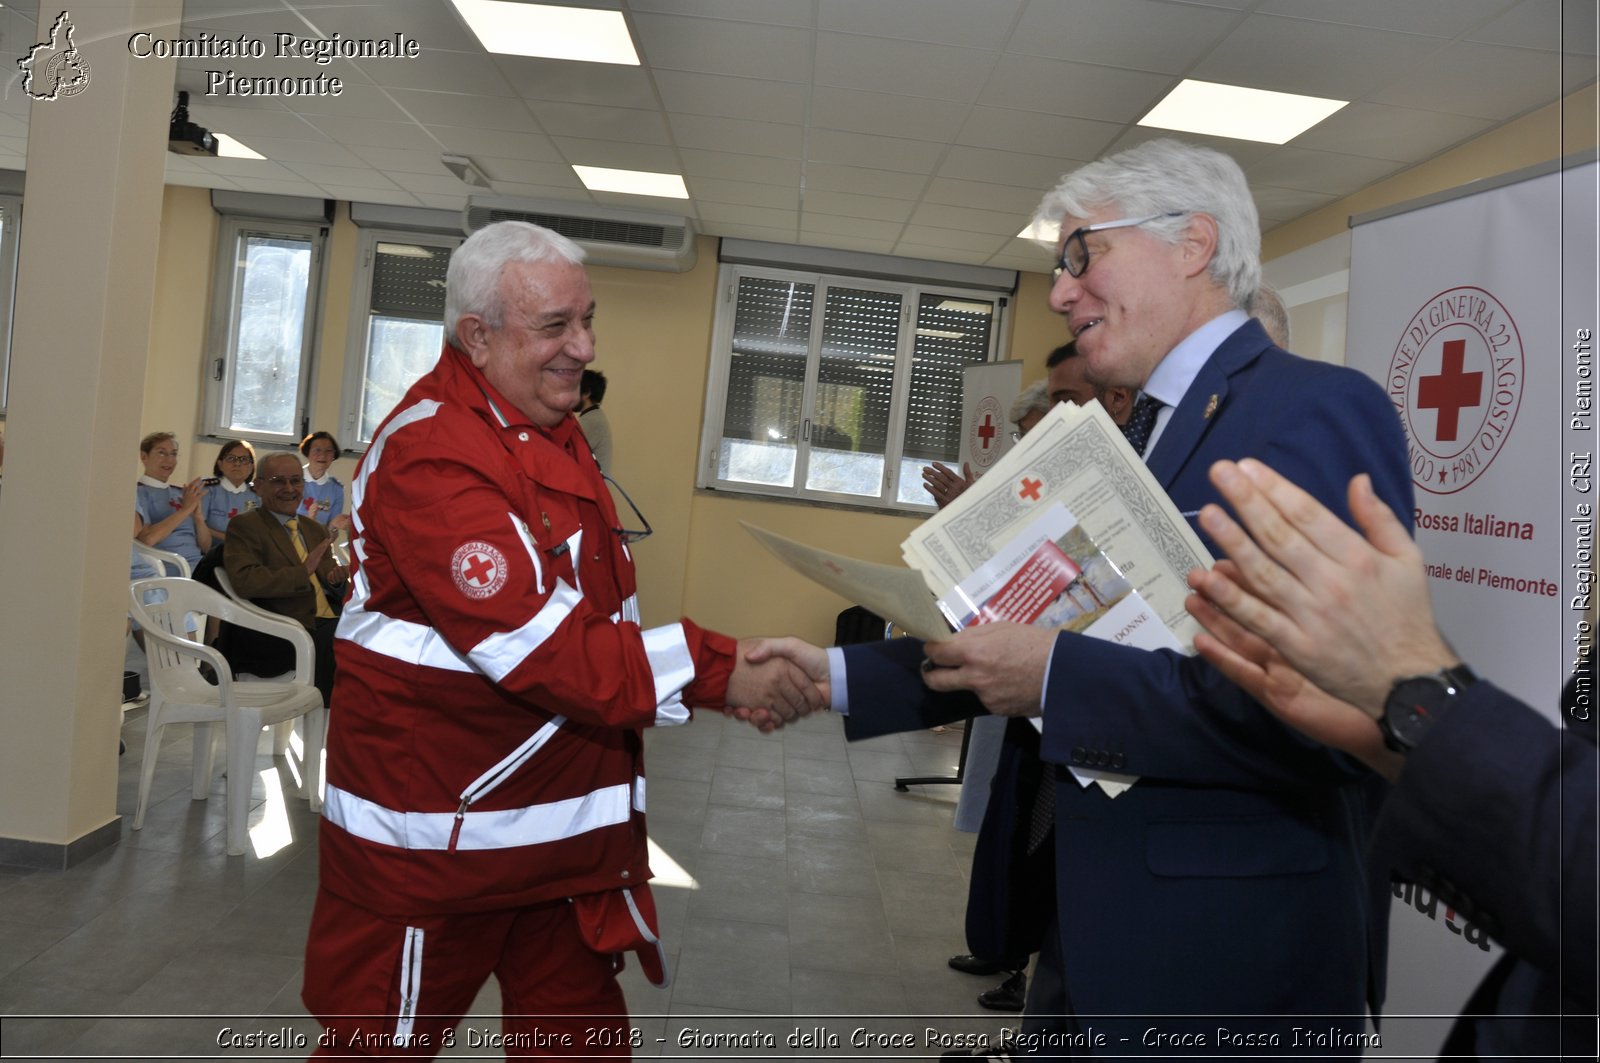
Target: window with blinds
(10, 225)
(838, 388)
(397, 324)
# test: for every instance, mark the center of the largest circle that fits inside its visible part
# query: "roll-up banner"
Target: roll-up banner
(1477, 312)
(987, 392)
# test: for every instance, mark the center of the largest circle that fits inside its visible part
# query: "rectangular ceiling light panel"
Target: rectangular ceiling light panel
(1244, 114)
(546, 31)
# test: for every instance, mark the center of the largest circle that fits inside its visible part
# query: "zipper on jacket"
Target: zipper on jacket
(410, 985)
(500, 773)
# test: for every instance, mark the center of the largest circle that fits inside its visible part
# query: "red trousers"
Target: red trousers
(398, 989)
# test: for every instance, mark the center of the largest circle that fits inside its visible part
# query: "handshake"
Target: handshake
(776, 681)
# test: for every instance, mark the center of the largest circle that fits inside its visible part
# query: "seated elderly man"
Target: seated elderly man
(282, 563)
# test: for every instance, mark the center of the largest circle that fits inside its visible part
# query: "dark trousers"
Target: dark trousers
(267, 655)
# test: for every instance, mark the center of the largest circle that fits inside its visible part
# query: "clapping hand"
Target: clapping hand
(944, 484)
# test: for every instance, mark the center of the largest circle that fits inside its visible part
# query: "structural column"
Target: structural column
(91, 220)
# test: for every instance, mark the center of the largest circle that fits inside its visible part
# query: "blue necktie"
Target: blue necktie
(1141, 422)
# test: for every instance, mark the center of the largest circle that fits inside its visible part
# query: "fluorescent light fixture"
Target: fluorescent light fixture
(1243, 114)
(465, 170)
(581, 34)
(229, 148)
(632, 182)
(1042, 232)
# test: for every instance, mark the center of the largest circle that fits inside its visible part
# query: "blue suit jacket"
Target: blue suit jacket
(1231, 879)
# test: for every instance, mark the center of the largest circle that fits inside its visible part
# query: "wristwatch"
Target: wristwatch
(1417, 702)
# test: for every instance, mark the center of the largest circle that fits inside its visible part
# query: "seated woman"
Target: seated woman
(235, 467)
(324, 497)
(168, 518)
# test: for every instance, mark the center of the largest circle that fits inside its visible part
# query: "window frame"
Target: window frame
(719, 371)
(353, 392)
(10, 241)
(222, 332)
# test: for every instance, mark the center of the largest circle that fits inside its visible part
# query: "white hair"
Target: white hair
(472, 283)
(1266, 306)
(1035, 398)
(1166, 176)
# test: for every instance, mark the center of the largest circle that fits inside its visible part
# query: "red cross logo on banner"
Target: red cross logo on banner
(987, 431)
(1030, 489)
(1451, 391)
(478, 568)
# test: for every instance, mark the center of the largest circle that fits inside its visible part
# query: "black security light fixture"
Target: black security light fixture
(186, 138)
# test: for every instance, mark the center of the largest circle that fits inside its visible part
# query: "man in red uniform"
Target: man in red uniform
(485, 798)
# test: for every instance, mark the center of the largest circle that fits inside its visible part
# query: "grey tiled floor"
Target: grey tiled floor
(823, 903)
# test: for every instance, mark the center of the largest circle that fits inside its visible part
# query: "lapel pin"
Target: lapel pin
(1211, 407)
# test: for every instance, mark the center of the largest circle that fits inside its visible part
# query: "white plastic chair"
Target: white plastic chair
(244, 707)
(162, 558)
(280, 733)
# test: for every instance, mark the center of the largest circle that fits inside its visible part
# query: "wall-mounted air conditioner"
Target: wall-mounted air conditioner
(612, 237)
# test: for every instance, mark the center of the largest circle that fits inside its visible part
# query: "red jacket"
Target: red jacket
(484, 749)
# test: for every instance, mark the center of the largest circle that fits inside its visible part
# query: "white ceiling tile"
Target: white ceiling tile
(1287, 202)
(957, 22)
(729, 97)
(1319, 171)
(600, 123)
(978, 243)
(1030, 132)
(910, 68)
(830, 177)
(1141, 34)
(844, 242)
(745, 193)
(347, 176)
(352, 132)
(435, 69)
(737, 215)
(774, 12)
(930, 253)
(1553, 25)
(708, 46)
(881, 114)
(1457, 79)
(752, 232)
(356, 101)
(319, 151)
(1397, 133)
(986, 196)
(1243, 152)
(467, 140)
(438, 202)
(970, 219)
(1293, 55)
(397, 159)
(243, 122)
(1006, 168)
(524, 171)
(1042, 257)
(1054, 86)
(655, 204)
(397, 197)
(880, 153)
(195, 180)
(605, 84)
(443, 183)
(434, 25)
(1434, 18)
(705, 133)
(865, 228)
(849, 205)
(265, 169)
(460, 109)
(271, 188)
(619, 155)
(735, 167)
(538, 191)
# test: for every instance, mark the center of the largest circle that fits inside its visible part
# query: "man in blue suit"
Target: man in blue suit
(1223, 901)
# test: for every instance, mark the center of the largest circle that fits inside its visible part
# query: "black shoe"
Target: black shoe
(1008, 995)
(969, 964)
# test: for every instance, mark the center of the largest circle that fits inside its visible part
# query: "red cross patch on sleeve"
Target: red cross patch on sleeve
(478, 568)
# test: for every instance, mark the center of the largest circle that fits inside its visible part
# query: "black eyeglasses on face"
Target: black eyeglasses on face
(1074, 260)
(628, 535)
(237, 459)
